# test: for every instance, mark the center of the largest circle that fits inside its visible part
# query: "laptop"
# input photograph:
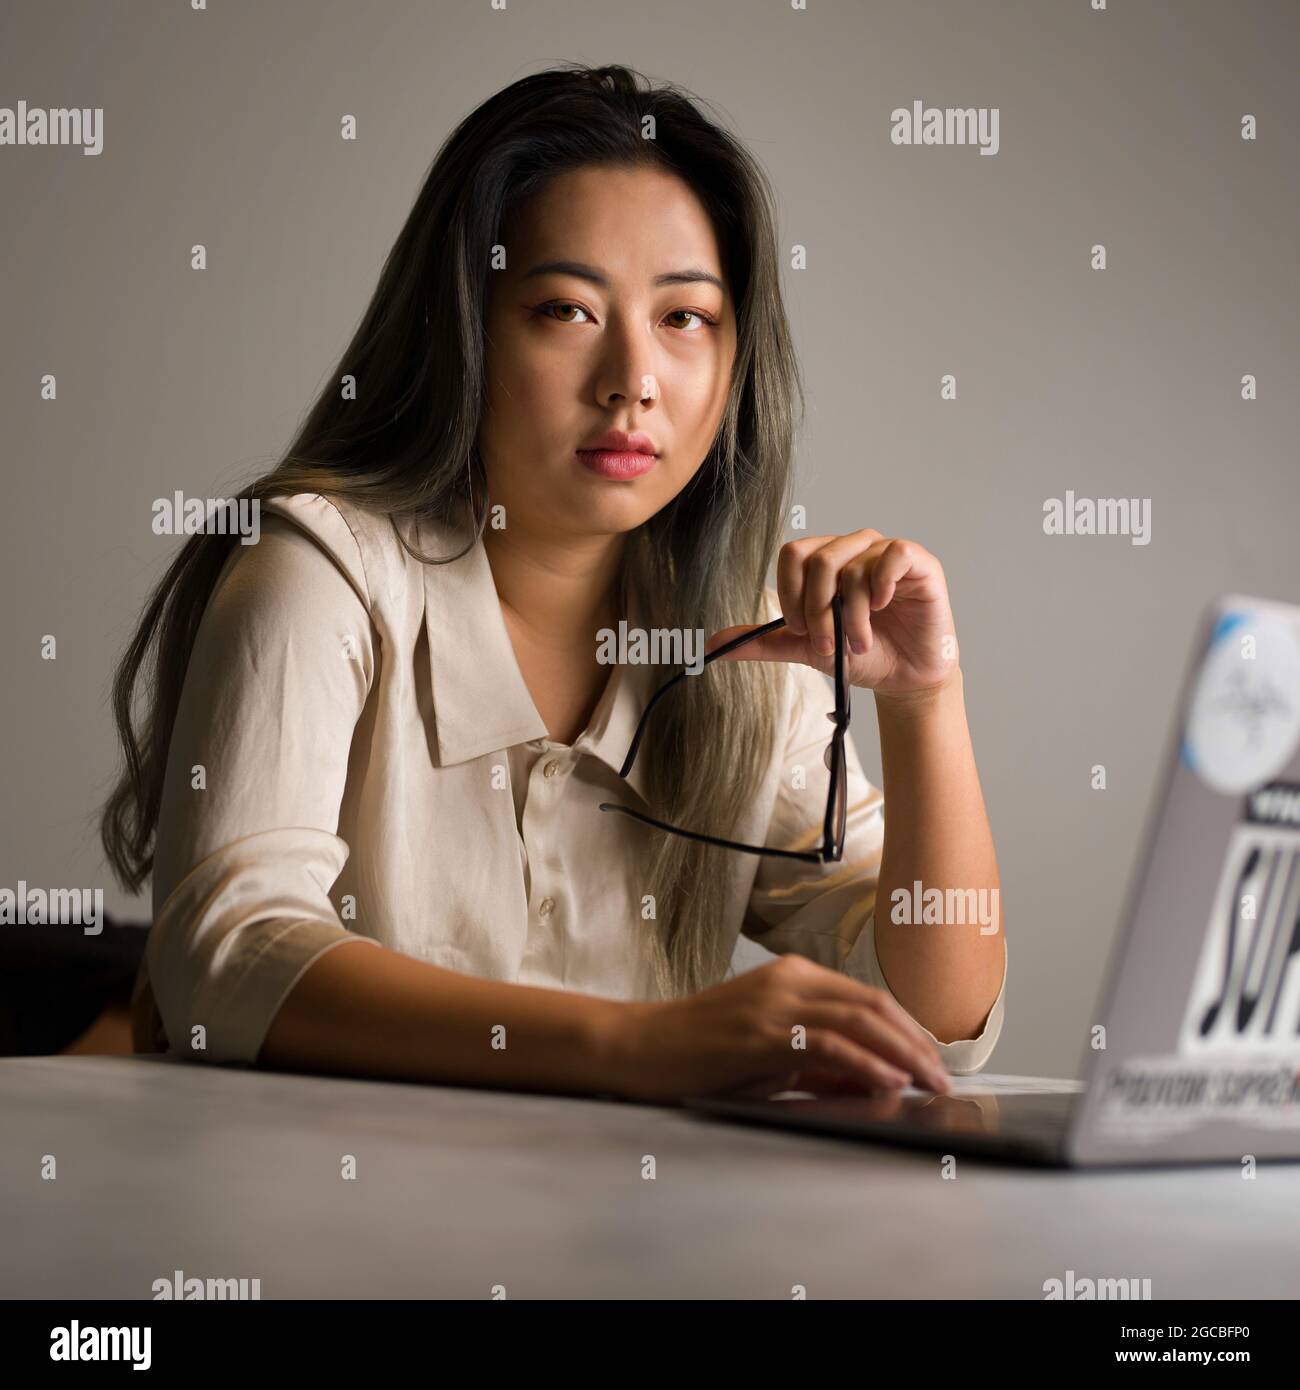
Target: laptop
(1193, 1055)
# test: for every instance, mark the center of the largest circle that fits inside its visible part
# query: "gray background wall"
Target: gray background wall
(1119, 127)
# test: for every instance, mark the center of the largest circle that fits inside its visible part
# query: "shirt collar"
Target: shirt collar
(481, 703)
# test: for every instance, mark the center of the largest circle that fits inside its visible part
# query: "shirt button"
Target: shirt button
(551, 768)
(546, 907)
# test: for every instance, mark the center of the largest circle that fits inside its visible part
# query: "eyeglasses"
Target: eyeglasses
(832, 849)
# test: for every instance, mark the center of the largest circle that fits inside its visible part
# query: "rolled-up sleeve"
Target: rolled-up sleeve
(827, 911)
(247, 847)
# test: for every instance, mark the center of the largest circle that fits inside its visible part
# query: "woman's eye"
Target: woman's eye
(560, 304)
(558, 309)
(692, 314)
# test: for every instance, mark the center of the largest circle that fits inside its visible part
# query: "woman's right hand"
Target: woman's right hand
(741, 1036)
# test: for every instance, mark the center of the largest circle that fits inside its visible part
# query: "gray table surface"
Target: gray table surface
(229, 1173)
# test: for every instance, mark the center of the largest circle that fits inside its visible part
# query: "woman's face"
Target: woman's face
(600, 346)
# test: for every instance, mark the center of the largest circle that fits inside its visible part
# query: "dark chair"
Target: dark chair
(61, 990)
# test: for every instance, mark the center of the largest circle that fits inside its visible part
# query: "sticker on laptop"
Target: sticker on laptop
(1243, 723)
(1245, 994)
(1154, 1097)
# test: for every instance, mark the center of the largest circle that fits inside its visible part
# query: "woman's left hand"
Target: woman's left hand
(899, 634)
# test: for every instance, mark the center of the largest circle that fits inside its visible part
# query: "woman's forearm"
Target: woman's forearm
(945, 973)
(374, 1012)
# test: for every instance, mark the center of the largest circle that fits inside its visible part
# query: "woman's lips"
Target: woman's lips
(612, 463)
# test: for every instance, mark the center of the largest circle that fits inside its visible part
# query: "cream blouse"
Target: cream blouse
(356, 754)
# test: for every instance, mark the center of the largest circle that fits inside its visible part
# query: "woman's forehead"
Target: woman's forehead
(628, 225)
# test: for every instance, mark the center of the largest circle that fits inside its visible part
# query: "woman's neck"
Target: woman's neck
(558, 591)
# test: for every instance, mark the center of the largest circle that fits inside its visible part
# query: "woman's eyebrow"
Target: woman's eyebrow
(691, 276)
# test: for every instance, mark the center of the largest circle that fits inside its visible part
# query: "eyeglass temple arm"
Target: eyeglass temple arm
(808, 856)
(681, 675)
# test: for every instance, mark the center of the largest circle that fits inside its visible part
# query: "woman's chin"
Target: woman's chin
(619, 507)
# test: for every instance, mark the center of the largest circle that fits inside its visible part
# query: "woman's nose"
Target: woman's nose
(627, 371)
(645, 391)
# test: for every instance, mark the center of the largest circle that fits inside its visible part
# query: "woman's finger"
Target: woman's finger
(826, 983)
(829, 1050)
(872, 1031)
(822, 581)
(855, 597)
(790, 579)
(781, 645)
(895, 561)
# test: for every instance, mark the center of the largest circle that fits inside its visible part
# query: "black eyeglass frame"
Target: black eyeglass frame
(834, 823)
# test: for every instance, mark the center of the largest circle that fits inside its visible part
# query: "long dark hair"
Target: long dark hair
(402, 443)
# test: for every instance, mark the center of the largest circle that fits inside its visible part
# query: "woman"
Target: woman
(387, 723)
